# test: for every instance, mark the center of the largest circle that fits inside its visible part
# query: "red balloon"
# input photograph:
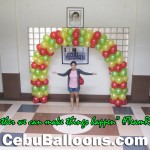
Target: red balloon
(114, 85)
(75, 42)
(36, 100)
(125, 102)
(53, 35)
(33, 82)
(75, 35)
(118, 103)
(38, 83)
(118, 67)
(45, 82)
(59, 40)
(111, 101)
(124, 64)
(34, 65)
(111, 69)
(105, 54)
(77, 30)
(44, 99)
(123, 85)
(58, 33)
(43, 52)
(94, 41)
(42, 66)
(92, 45)
(113, 49)
(50, 54)
(97, 34)
(38, 46)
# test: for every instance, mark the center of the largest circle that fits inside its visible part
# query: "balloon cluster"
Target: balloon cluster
(41, 60)
(79, 37)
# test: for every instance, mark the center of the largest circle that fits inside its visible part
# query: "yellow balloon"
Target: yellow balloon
(34, 58)
(45, 93)
(114, 96)
(119, 60)
(50, 49)
(65, 43)
(122, 96)
(125, 79)
(110, 43)
(87, 43)
(111, 64)
(44, 44)
(112, 78)
(63, 34)
(34, 77)
(47, 63)
(105, 47)
(38, 61)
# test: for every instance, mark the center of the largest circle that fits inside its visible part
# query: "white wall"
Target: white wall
(8, 37)
(104, 13)
(1, 86)
(142, 39)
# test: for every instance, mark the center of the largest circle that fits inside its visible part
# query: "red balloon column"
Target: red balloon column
(79, 37)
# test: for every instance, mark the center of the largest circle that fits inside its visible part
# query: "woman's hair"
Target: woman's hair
(73, 62)
(75, 13)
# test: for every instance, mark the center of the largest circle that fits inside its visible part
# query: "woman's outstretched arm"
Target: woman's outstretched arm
(61, 74)
(86, 73)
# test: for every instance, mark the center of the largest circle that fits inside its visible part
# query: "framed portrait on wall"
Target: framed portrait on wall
(80, 54)
(75, 17)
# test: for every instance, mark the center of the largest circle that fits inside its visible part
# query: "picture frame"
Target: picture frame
(75, 17)
(80, 54)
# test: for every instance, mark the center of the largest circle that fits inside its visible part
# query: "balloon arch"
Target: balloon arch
(79, 37)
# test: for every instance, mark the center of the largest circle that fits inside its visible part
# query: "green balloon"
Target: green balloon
(98, 46)
(118, 53)
(103, 39)
(107, 59)
(52, 42)
(81, 39)
(35, 88)
(115, 74)
(44, 72)
(56, 46)
(39, 94)
(125, 91)
(70, 31)
(82, 32)
(112, 90)
(31, 70)
(43, 88)
(46, 38)
(69, 38)
(70, 43)
(123, 72)
(37, 72)
(46, 58)
(37, 54)
(81, 44)
(118, 91)
(112, 57)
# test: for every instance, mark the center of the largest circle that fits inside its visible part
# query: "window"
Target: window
(119, 34)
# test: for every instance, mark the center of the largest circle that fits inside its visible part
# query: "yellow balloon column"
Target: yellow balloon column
(79, 37)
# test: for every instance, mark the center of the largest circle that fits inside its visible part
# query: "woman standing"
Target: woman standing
(73, 82)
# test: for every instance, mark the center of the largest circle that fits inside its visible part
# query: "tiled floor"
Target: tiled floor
(51, 111)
